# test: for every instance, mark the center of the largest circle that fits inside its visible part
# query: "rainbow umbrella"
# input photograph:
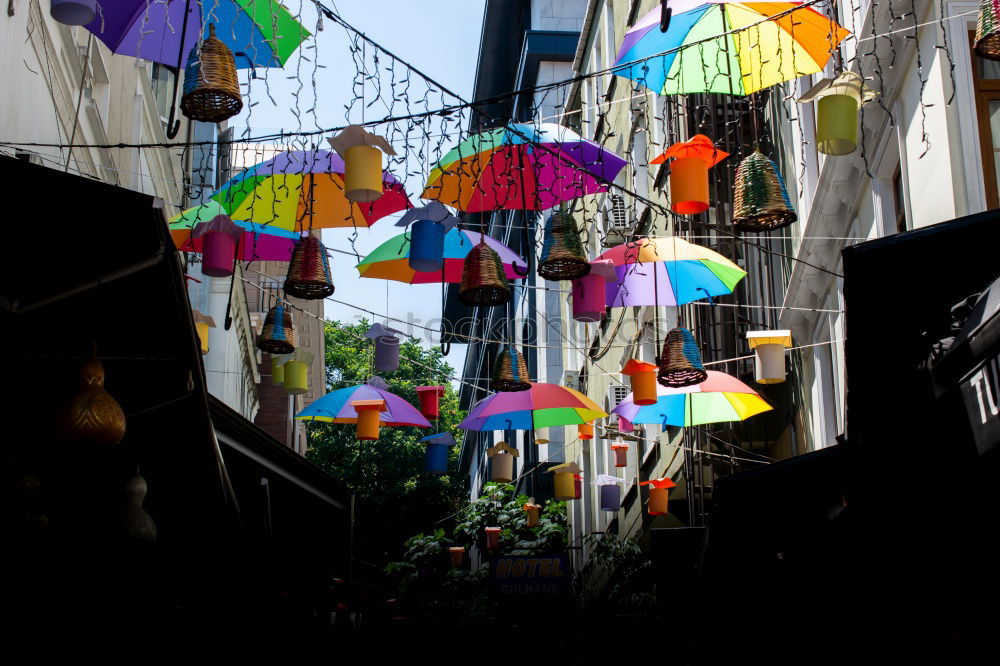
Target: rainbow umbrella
(336, 407)
(667, 271)
(719, 398)
(521, 167)
(299, 190)
(257, 243)
(390, 260)
(736, 48)
(541, 406)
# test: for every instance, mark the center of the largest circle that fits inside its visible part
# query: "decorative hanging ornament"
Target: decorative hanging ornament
(219, 238)
(430, 400)
(492, 537)
(532, 512)
(278, 334)
(483, 279)
(92, 418)
(840, 98)
(72, 12)
(428, 225)
(386, 347)
(309, 270)
(610, 490)
(585, 431)
(278, 368)
(987, 43)
(510, 372)
(658, 495)
(590, 294)
(295, 372)
(362, 162)
(565, 481)
(202, 322)
(689, 172)
(563, 257)
(438, 450)
(457, 554)
(502, 462)
(369, 417)
(139, 525)
(620, 450)
(761, 202)
(769, 352)
(680, 361)
(211, 87)
(643, 379)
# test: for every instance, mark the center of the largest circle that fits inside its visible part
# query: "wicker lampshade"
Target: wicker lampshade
(483, 278)
(563, 257)
(211, 89)
(988, 30)
(680, 361)
(510, 372)
(761, 201)
(278, 335)
(309, 270)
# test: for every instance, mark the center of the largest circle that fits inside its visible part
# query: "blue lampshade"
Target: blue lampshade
(426, 246)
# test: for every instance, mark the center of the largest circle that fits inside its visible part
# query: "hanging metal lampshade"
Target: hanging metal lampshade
(761, 201)
(278, 335)
(71, 12)
(680, 362)
(483, 278)
(988, 30)
(510, 372)
(563, 257)
(309, 271)
(211, 88)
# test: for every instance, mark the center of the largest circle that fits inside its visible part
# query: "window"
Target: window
(161, 80)
(898, 201)
(986, 82)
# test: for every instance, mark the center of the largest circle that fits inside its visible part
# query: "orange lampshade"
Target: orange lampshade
(621, 454)
(533, 512)
(689, 172)
(585, 431)
(369, 417)
(643, 378)
(658, 494)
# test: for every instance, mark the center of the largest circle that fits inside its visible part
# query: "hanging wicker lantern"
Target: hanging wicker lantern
(761, 201)
(988, 30)
(211, 89)
(483, 279)
(309, 271)
(680, 361)
(510, 372)
(563, 257)
(278, 335)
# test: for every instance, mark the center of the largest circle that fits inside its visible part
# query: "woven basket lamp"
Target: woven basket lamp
(680, 361)
(309, 271)
(761, 201)
(483, 279)
(211, 88)
(563, 257)
(278, 334)
(988, 30)
(510, 372)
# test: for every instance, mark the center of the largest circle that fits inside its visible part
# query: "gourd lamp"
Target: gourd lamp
(362, 153)
(680, 360)
(610, 491)
(219, 238)
(202, 322)
(295, 372)
(438, 450)
(658, 491)
(565, 480)
(585, 431)
(430, 400)
(92, 418)
(987, 42)
(278, 334)
(309, 275)
(642, 376)
(483, 279)
(211, 87)
(73, 12)
(838, 100)
(563, 257)
(769, 352)
(621, 453)
(139, 525)
(689, 172)
(457, 554)
(502, 462)
(369, 417)
(760, 201)
(590, 294)
(510, 373)
(428, 225)
(492, 537)
(532, 512)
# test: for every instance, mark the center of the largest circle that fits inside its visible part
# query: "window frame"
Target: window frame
(985, 91)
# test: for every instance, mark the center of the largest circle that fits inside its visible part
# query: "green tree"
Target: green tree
(395, 497)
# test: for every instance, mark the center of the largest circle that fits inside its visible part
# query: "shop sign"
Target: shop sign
(520, 576)
(981, 393)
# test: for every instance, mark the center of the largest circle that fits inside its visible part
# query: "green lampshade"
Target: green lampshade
(837, 125)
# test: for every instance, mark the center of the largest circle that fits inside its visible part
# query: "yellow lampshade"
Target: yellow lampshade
(837, 124)
(277, 370)
(296, 377)
(363, 174)
(564, 486)
(202, 329)
(689, 185)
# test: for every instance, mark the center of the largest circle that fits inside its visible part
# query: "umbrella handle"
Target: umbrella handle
(174, 126)
(665, 13)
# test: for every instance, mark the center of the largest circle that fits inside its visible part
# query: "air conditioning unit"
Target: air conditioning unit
(617, 215)
(571, 379)
(616, 394)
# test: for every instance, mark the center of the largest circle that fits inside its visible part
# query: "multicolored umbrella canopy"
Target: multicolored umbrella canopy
(542, 406)
(261, 33)
(668, 271)
(301, 190)
(389, 261)
(521, 167)
(736, 48)
(336, 407)
(258, 242)
(719, 398)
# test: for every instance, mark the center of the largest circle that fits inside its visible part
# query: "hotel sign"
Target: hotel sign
(520, 576)
(981, 393)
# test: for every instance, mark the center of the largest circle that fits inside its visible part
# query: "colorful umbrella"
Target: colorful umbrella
(336, 407)
(258, 242)
(719, 398)
(521, 167)
(735, 48)
(668, 271)
(541, 406)
(389, 261)
(300, 190)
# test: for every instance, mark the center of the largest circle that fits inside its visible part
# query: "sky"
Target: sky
(439, 37)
